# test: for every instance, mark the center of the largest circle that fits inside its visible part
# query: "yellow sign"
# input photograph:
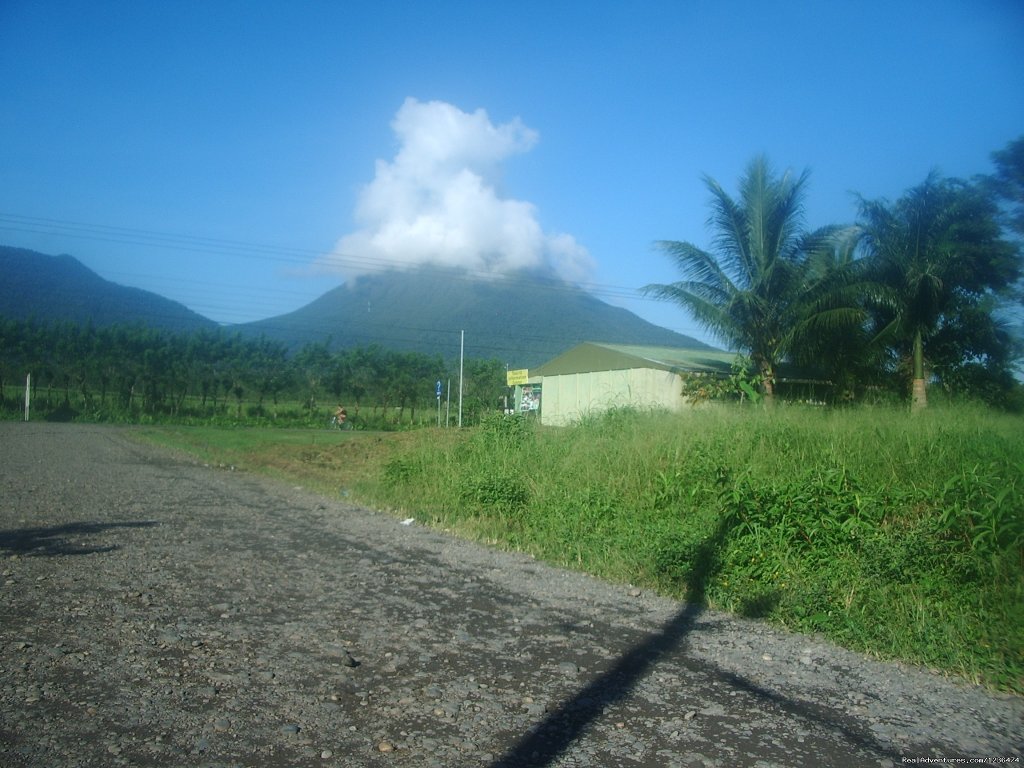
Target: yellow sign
(520, 376)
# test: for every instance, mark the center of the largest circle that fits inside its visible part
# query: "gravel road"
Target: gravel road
(158, 612)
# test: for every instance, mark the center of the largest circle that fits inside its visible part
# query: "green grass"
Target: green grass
(329, 461)
(239, 445)
(897, 535)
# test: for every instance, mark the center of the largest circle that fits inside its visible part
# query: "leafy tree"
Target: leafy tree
(313, 362)
(483, 388)
(268, 368)
(366, 368)
(205, 350)
(972, 352)
(756, 291)
(1007, 185)
(938, 254)
(414, 384)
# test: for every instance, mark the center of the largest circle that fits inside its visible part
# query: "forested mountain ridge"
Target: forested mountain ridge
(50, 289)
(522, 319)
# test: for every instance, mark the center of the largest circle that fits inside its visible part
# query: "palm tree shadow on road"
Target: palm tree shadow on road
(553, 736)
(56, 540)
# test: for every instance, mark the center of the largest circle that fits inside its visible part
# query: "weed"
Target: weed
(399, 471)
(501, 493)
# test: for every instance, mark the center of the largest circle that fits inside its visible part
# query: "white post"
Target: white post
(448, 404)
(462, 348)
(28, 393)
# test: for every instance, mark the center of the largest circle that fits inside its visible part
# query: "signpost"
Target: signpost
(524, 399)
(437, 391)
(530, 397)
(517, 377)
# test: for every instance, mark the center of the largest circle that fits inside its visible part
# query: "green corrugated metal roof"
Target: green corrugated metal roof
(593, 356)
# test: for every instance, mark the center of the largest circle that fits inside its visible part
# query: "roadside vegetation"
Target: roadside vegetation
(921, 289)
(138, 375)
(894, 534)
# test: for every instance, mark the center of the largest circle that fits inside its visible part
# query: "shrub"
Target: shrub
(498, 492)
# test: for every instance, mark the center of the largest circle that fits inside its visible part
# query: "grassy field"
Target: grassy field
(898, 535)
(329, 461)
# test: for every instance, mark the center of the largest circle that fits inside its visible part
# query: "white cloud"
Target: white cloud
(437, 202)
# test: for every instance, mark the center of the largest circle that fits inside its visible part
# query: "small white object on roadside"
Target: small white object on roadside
(409, 521)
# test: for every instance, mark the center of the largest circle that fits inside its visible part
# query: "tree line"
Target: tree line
(122, 373)
(917, 293)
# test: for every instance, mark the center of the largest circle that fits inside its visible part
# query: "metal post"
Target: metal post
(462, 349)
(28, 393)
(438, 393)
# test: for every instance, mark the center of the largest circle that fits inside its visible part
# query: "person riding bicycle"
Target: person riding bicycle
(340, 417)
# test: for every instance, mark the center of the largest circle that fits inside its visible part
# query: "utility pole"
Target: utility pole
(462, 350)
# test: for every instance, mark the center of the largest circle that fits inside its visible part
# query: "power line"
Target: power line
(283, 254)
(287, 255)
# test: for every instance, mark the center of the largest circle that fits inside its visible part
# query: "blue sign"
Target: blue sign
(438, 389)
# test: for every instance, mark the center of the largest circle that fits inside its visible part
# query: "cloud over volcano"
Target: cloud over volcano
(438, 202)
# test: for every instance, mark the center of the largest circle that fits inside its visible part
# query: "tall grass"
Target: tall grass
(895, 534)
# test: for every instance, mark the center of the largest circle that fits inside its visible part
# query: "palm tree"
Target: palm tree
(934, 249)
(756, 291)
(831, 314)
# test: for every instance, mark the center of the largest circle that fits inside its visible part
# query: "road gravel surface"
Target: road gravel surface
(158, 612)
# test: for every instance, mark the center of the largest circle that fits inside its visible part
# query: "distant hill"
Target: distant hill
(61, 288)
(523, 320)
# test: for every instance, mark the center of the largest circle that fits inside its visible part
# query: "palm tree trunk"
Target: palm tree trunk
(919, 393)
(768, 384)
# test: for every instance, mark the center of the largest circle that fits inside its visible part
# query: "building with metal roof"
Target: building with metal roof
(592, 377)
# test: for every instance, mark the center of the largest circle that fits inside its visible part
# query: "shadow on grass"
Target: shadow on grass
(63, 413)
(60, 539)
(760, 605)
(553, 736)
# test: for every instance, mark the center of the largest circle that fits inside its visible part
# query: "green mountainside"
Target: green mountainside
(523, 320)
(34, 286)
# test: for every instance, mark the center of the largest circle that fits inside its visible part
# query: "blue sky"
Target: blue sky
(219, 152)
